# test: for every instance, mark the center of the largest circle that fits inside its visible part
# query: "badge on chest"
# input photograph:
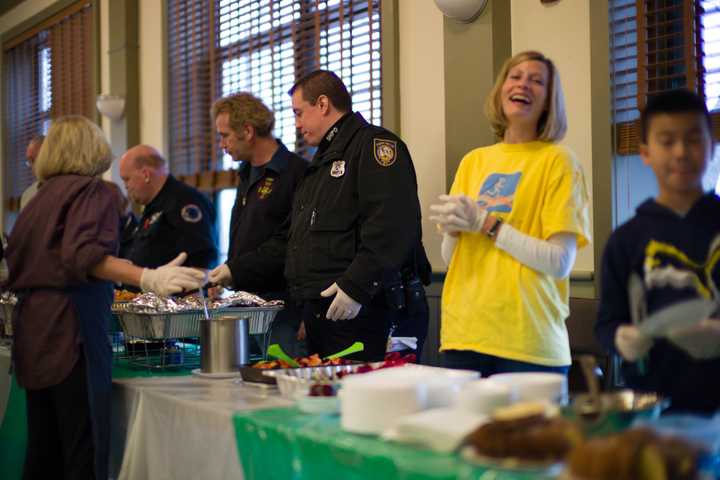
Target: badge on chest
(266, 188)
(338, 169)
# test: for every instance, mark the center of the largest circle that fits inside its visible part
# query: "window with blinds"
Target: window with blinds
(655, 46)
(47, 72)
(226, 46)
(660, 45)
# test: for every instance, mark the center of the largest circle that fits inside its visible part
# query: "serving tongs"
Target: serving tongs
(276, 351)
(204, 304)
(603, 413)
(354, 348)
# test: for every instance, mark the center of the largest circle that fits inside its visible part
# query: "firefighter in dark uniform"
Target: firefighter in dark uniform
(176, 218)
(268, 177)
(355, 217)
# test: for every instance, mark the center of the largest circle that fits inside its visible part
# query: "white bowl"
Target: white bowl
(443, 384)
(370, 403)
(482, 397)
(538, 386)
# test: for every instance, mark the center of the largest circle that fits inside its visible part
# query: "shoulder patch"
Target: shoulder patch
(385, 151)
(191, 213)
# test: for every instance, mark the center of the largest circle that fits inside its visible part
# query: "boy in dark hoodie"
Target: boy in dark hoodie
(672, 248)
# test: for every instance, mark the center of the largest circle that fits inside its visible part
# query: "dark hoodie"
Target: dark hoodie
(687, 248)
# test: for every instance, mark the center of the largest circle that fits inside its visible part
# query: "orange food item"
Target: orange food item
(313, 360)
(124, 295)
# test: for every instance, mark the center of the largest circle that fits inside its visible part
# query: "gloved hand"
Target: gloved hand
(701, 341)
(342, 307)
(171, 278)
(221, 275)
(631, 343)
(458, 213)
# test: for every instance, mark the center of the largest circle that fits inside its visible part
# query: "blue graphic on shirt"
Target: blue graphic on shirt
(498, 191)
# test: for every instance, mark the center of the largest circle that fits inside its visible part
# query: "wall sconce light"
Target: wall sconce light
(111, 106)
(465, 11)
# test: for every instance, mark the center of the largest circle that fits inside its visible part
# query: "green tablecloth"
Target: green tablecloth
(13, 431)
(13, 434)
(288, 444)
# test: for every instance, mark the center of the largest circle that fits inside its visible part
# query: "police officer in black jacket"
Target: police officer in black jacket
(355, 217)
(268, 177)
(176, 218)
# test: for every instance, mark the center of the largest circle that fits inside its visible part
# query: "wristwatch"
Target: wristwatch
(492, 231)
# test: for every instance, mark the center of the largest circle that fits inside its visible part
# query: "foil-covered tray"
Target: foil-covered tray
(152, 303)
(186, 323)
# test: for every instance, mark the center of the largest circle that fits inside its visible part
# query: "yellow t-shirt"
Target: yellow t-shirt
(491, 303)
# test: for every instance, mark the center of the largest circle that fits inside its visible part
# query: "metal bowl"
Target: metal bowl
(294, 381)
(614, 411)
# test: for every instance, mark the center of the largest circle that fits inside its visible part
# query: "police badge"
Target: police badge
(338, 168)
(385, 151)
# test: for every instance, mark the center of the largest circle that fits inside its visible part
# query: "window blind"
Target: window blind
(660, 45)
(47, 72)
(263, 48)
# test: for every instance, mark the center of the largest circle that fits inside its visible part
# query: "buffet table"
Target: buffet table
(286, 443)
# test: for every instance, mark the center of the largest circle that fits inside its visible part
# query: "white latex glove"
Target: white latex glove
(458, 213)
(631, 343)
(171, 278)
(221, 275)
(342, 307)
(701, 341)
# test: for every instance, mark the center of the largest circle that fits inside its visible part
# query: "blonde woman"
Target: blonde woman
(516, 214)
(61, 261)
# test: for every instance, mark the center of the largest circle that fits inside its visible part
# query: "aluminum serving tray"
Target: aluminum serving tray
(187, 322)
(297, 381)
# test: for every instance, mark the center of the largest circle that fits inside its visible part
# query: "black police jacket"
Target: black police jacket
(263, 202)
(179, 219)
(355, 216)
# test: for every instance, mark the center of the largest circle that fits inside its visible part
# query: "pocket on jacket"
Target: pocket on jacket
(333, 242)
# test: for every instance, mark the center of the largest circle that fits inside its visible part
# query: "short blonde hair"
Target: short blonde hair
(74, 145)
(552, 124)
(245, 108)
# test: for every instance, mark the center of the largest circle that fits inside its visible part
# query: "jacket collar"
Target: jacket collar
(347, 128)
(278, 162)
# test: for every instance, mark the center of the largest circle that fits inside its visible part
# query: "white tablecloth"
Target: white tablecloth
(180, 427)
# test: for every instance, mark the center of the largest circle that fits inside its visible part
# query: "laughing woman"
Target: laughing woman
(61, 260)
(516, 214)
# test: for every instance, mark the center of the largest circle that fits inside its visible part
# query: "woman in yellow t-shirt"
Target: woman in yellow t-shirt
(516, 214)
